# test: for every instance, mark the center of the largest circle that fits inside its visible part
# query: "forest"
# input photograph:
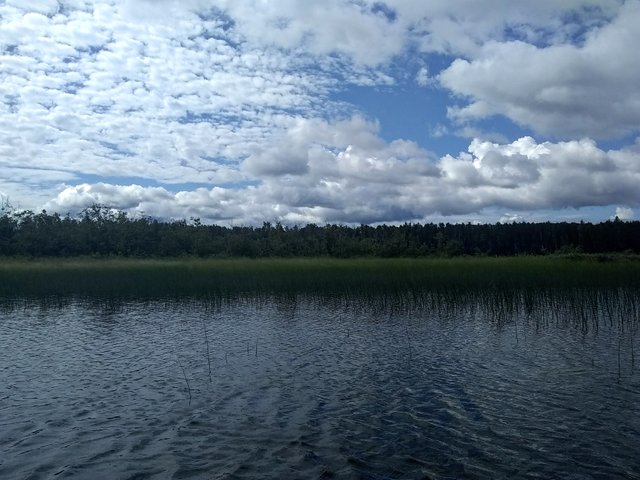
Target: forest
(101, 231)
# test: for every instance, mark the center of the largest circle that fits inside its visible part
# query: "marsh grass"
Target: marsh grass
(230, 277)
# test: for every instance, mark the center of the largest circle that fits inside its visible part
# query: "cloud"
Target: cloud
(225, 110)
(422, 77)
(119, 197)
(623, 213)
(371, 33)
(333, 27)
(511, 218)
(94, 90)
(44, 7)
(398, 181)
(562, 90)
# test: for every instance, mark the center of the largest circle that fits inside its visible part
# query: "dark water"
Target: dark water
(315, 388)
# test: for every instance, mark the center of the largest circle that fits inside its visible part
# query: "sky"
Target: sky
(239, 112)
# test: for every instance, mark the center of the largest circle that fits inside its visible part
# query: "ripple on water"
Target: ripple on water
(315, 391)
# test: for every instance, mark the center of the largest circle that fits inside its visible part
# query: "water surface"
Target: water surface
(302, 387)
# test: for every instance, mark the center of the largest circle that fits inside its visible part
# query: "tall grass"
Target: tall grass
(231, 277)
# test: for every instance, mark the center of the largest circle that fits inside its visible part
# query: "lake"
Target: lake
(490, 384)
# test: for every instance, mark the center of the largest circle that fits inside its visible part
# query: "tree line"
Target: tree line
(101, 231)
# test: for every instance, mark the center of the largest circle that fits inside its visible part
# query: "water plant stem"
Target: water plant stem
(184, 373)
(206, 341)
(619, 347)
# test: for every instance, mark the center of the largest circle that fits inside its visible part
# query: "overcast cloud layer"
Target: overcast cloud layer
(240, 112)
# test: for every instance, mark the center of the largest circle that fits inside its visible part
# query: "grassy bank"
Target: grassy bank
(221, 277)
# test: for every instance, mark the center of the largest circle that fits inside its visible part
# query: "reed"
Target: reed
(231, 277)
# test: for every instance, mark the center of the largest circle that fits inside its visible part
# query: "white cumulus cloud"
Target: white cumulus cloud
(623, 213)
(375, 181)
(562, 90)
